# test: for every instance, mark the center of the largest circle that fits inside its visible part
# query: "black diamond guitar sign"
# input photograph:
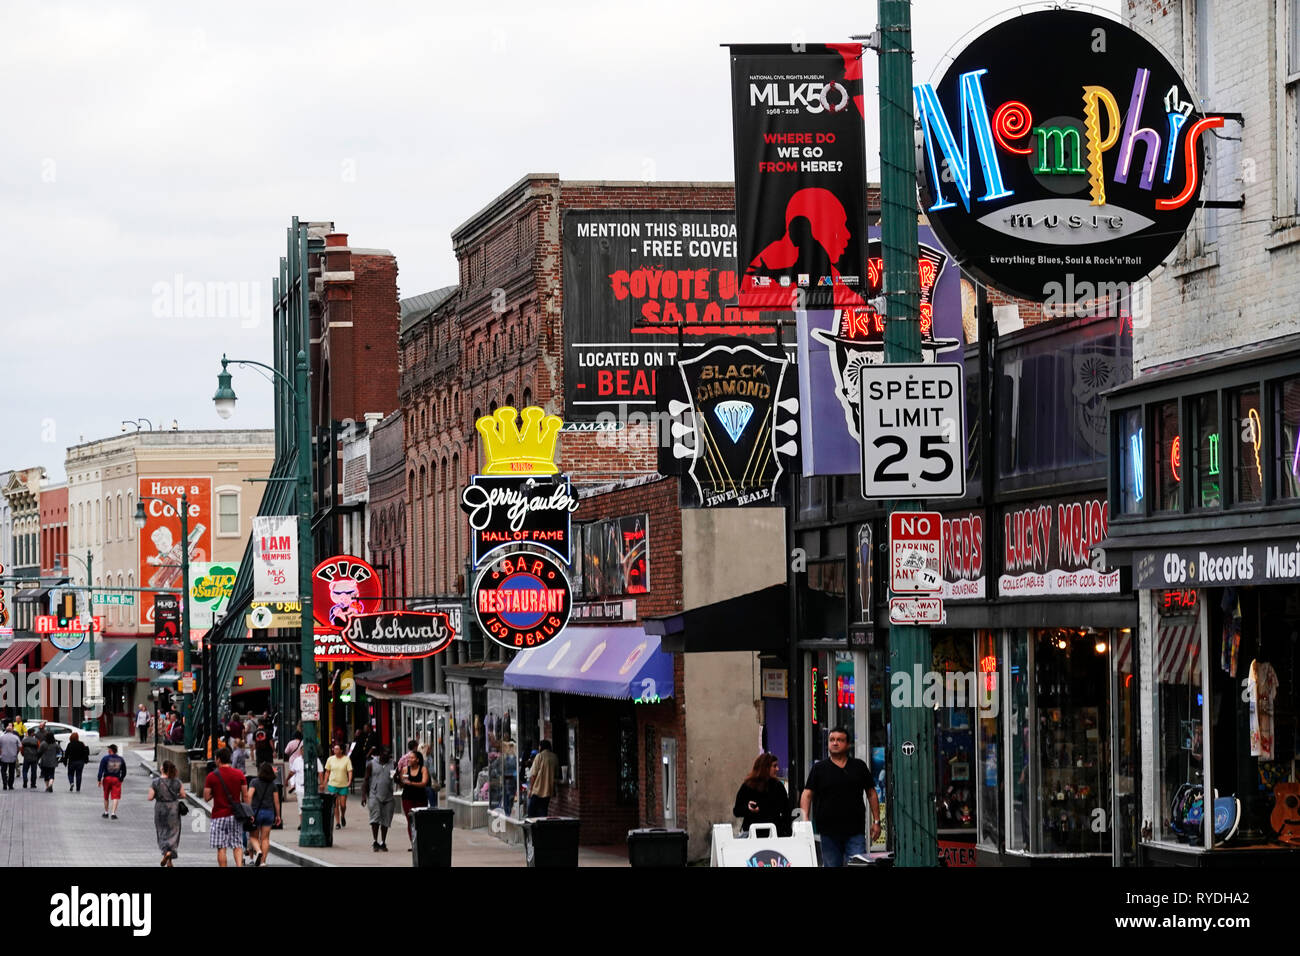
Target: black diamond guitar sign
(734, 418)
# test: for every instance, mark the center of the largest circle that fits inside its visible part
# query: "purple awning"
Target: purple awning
(620, 662)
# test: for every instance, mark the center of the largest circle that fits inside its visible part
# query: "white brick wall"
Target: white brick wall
(1247, 292)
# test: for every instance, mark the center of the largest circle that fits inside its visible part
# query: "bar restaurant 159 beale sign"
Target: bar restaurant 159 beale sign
(1051, 548)
(522, 599)
(1060, 144)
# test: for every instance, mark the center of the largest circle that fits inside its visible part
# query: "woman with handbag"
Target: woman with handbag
(265, 801)
(167, 794)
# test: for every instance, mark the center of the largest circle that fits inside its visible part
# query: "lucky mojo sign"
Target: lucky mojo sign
(1062, 150)
(1049, 549)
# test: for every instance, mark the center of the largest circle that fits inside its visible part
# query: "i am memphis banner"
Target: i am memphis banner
(834, 346)
(797, 119)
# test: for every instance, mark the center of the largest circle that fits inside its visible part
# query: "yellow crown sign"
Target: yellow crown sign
(511, 450)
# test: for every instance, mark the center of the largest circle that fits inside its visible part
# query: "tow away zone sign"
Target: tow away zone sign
(915, 610)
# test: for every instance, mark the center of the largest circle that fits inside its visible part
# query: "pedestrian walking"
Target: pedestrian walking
(76, 756)
(431, 791)
(20, 728)
(112, 771)
(239, 755)
(225, 788)
(833, 800)
(359, 754)
(377, 792)
(263, 749)
(762, 797)
(142, 723)
(338, 780)
(542, 774)
(296, 779)
(31, 749)
(414, 779)
(292, 747)
(49, 755)
(11, 745)
(167, 792)
(265, 801)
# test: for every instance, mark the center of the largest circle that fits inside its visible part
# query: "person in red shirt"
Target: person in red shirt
(225, 787)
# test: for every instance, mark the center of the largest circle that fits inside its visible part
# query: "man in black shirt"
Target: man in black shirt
(833, 793)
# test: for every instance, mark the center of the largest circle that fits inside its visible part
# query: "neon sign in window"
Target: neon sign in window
(1135, 443)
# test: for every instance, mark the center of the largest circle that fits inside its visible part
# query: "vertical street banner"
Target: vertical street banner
(211, 584)
(801, 201)
(161, 542)
(734, 411)
(835, 345)
(275, 558)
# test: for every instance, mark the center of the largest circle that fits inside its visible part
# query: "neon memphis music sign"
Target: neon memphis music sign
(1060, 143)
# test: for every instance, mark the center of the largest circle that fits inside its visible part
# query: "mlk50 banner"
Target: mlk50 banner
(275, 558)
(800, 175)
(161, 542)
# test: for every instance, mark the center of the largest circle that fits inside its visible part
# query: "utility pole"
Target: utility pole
(912, 814)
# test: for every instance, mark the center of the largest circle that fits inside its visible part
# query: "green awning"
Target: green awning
(117, 661)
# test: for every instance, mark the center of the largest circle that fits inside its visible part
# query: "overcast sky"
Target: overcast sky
(148, 146)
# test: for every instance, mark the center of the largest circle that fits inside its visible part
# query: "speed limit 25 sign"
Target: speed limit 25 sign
(913, 431)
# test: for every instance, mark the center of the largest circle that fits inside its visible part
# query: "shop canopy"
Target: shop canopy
(619, 662)
(758, 621)
(16, 653)
(394, 678)
(31, 595)
(117, 661)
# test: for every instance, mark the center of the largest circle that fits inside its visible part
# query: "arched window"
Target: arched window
(422, 538)
(130, 521)
(98, 526)
(108, 518)
(528, 397)
(455, 529)
(510, 400)
(119, 517)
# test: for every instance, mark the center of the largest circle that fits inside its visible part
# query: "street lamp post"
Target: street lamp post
(89, 565)
(187, 697)
(313, 825)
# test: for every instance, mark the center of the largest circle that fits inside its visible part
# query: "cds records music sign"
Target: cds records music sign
(1062, 151)
(735, 417)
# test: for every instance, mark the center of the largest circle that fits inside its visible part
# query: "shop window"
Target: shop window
(1179, 701)
(1204, 460)
(1166, 457)
(628, 790)
(1247, 447)
(501, 784)
(954, 737)
(1286, 437)
(460, 762)
(1130, 476)
(615, 557)
(1058, 722)
(812, 498)
(989, 741)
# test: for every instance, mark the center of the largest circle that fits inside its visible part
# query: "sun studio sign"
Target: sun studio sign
(1061, 149)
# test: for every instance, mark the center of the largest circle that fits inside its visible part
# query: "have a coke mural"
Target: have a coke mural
(160, 540)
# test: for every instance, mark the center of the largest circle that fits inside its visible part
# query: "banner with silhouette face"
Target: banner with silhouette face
(798, 129)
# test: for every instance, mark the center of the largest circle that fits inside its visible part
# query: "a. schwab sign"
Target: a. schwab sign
(1259, 562)
(1050, 547)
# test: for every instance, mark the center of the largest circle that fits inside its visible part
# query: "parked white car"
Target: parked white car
(62, 732)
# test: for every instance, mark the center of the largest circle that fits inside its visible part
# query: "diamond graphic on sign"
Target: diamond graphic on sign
(734, 416)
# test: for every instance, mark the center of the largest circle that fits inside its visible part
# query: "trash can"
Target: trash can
(551, 841)
(432, 846)
(327, 817)
(656, 847)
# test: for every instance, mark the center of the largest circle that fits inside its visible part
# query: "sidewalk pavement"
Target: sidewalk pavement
(352, 844)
